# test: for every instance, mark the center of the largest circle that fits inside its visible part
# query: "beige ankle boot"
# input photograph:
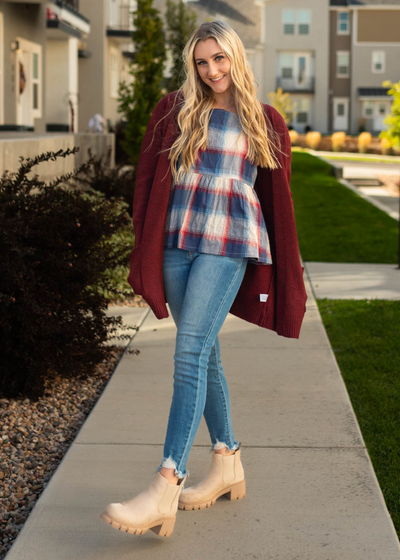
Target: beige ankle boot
(225, 476)
(154, 508)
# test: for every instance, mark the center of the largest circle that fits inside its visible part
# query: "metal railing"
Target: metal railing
(296, 83)
(121, 18)
(74, 4)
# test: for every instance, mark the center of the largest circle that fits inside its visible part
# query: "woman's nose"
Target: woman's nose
(212, 70)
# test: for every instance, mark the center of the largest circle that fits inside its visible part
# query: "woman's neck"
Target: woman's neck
(225, 102)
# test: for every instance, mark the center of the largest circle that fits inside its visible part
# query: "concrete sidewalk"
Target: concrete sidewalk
(353, 280)
(346, 171)
(311, 491)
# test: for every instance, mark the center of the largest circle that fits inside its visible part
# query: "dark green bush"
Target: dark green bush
(114, 182)
(54, 249)
(118, 275)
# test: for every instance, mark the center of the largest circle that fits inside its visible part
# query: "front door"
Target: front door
(382, 110)
(341, 113)
(24, 88)
(302, 71)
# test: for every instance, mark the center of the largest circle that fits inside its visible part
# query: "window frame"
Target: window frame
(308, 11)
(373, 68)
(338, 30)
(296, 23)
(367, 103)
(286, 10)
(339, 53)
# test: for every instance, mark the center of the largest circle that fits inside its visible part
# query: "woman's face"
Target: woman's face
(213, 66)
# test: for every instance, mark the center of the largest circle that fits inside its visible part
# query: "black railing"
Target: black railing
(73, 4)
(122, 18)
(296, 83)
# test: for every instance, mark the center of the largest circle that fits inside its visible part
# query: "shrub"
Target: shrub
(385, 146)
(294, 137)
(113, 182)
(338, 141)
(118, 275)
(121, 157)
(364, 141)
(313, 139)
(53, 254)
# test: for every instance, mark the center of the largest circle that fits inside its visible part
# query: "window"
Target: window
(342, 64)
(343, 23)
(368, 109)
(289, 21)
(378, 62)
(287, 63)
(382, 107)
(340, 109)
(35, 81)
(296, 19)
(302, 107)
(303, 21)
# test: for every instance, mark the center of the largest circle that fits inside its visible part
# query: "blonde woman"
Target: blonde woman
(214, 233)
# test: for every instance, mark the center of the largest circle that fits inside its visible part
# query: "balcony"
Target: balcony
(296, 84)
(64, 19)
(120, 19)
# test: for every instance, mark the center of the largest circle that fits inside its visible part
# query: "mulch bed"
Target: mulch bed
(34, 438)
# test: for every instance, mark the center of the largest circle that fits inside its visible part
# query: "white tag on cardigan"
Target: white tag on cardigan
(263, 297)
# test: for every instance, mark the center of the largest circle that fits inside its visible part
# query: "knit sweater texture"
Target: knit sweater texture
(271, 296)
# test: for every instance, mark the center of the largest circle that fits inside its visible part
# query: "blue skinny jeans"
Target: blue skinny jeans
(200, 289)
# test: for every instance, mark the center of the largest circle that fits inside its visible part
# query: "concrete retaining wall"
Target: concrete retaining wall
(11, 148)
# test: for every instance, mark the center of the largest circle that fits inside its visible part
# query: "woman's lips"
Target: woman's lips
(216, 81)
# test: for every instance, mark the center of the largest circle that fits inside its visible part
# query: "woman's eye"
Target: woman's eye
(216, 58)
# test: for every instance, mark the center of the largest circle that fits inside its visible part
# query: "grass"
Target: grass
(367, 159)
(365, 337)
(334, 224)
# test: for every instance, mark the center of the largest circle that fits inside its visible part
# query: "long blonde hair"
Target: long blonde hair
(197, 102)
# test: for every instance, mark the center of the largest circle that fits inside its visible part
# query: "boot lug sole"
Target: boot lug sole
(162, 527)
(237, 492)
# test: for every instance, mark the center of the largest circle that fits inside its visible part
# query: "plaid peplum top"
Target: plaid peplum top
(214, 207)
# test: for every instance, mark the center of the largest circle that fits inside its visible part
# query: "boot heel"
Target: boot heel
(237, 492)
(165, 529)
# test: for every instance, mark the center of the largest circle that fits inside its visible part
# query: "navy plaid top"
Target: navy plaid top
(214, 207)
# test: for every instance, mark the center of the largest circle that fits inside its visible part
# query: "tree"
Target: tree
(283, 104)
(181, 23)
(393, 120)
(138, 99)
(393, 132)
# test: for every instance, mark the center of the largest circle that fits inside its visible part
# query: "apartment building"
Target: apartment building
(364, 52)
(106, 55)
(295, 54)
(39, 49)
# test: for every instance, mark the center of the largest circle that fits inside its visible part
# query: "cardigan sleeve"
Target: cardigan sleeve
(146, 168)
(291, 293)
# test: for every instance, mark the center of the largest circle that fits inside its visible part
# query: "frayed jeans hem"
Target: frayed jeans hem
(169, 463)
(222, 445)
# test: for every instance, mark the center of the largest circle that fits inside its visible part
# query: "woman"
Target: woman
(214, 233)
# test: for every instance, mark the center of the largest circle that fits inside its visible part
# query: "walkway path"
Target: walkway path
(354, 281)
(311, 491)
(384, 197)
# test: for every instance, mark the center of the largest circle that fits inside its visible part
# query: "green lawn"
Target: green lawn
(366, 159)
(365, 335)
(334, 224)
(355, 158)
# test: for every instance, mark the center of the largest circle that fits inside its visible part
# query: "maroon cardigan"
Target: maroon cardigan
(284, 308)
